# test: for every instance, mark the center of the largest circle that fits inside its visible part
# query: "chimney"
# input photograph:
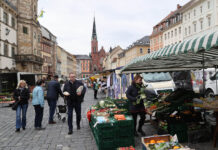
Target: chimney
(178, 6)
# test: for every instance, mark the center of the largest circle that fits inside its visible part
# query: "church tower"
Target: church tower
(94, 49)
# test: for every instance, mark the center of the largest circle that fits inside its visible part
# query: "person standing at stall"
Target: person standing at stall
(74, 91)
(54, 89)
(95, 88)
(22, 95)
(38, 103)
(136, 107)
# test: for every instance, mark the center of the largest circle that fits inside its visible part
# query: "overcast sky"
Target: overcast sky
(118, 22)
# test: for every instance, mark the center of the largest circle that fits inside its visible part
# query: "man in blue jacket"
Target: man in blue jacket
(53, 92)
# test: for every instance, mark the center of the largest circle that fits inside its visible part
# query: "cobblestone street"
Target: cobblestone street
(55, 137)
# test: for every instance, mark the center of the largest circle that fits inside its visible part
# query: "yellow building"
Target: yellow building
(111, 59)
(138, 48)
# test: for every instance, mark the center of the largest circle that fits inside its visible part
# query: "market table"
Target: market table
(215, 109)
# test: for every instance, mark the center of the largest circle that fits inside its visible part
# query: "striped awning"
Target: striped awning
(187, 55)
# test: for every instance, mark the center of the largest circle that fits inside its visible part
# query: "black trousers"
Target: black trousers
(38, 116)
(77, 107)
(95, 93)
(141, 121)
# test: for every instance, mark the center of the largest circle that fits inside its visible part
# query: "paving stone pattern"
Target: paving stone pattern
(55, 137)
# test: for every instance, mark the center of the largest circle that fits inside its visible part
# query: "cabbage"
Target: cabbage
(101, 103)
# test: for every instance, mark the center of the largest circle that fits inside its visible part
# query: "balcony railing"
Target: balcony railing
(29, 58)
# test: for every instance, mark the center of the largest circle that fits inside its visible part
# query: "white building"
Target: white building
(201, 17)
(8, 36)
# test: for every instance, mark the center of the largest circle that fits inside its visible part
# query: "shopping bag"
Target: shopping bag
(15, 104)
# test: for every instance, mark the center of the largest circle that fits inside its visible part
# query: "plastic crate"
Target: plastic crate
(105, 144)
(125, 141)
(180, 129)
(122, 103)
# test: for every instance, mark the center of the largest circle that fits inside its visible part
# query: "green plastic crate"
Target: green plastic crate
(125, 141)
(180, 129)
(121, 103)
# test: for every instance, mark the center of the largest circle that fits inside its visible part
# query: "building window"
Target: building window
(168, 35)
(149, 51)
(171, 34)
(195, 27)
(141, 50)
(39, 38)
(165, 36)
(175, 32)
(201, 24)
(201, 9)
(188, 15)
(185, 31)
(180, 30)
(12, 52)
(208, 4)
(194, 12)
(209, 21)
(189, 30)
(25, 30)
(6, 50)
(185, 18)
(5, 18)
(13, 22)
(34, 35)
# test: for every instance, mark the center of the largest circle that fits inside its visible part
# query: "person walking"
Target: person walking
(95, 88)
(22, 95)
(53, 91)
(38, 103)
(74, 91)
(136, 108)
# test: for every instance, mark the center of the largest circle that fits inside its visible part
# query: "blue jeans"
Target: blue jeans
(52, 105)
(21, 122)
(38, 116)
(77, 107)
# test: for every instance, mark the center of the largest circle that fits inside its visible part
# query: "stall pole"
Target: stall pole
(203, 75)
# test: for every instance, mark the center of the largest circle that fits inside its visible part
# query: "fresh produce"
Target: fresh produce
(119, 117)
(126, 148)
(164, 146)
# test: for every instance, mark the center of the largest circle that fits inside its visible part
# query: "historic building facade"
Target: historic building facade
(29, 56)
(83, 66)
(8, 36)
(49, 52)
(96, 56)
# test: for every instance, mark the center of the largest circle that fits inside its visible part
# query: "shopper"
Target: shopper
(38, 103)
(95, 88)
(136, 108)
(22, 95)
(53, 92)
(74, 99)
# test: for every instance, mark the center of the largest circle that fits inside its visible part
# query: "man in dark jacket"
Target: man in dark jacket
(74, 100)
(53, 92)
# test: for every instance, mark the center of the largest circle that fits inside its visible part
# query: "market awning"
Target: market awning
(187, 55)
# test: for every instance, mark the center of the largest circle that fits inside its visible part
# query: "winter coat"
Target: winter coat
(38, 96)
(24, 95)
(132, 93)
(54, 89)
(71, 89)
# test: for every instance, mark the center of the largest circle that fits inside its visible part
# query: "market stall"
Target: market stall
(111, 124)
(176, 112)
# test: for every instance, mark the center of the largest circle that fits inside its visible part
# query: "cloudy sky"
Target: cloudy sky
(118, 22)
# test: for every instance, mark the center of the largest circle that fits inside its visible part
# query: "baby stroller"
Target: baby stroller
(61, 110)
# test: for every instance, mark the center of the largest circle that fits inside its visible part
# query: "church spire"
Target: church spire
(94, 34)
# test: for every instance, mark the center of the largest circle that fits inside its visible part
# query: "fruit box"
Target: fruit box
(147, 139)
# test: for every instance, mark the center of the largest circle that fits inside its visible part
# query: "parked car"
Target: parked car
(159, 82)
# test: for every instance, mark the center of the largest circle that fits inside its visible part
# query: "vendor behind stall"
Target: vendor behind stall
(136, 105)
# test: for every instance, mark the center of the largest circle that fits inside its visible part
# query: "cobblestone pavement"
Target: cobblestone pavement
(55, 137)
